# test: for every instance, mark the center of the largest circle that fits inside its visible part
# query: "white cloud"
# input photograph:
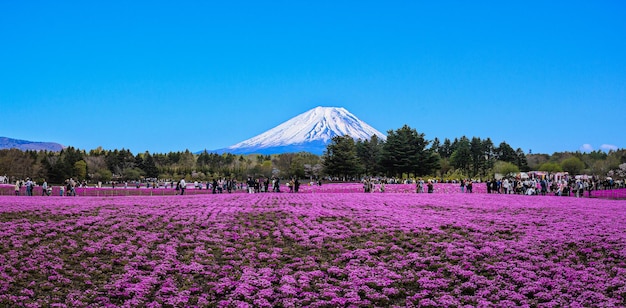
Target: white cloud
(586, 147)
(609, 147)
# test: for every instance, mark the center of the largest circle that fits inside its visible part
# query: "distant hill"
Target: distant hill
(308, 132)
(24, 145)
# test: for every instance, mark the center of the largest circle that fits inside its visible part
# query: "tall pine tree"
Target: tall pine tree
(340, 158)
(406, 152)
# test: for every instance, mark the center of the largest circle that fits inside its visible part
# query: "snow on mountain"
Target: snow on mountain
(309, 131)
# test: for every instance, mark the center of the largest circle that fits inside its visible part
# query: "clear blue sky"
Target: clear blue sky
(173, 75)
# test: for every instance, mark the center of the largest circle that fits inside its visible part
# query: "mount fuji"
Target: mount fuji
(308, 132)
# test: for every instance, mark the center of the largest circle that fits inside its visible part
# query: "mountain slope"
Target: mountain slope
(8, 143)
(310, 131)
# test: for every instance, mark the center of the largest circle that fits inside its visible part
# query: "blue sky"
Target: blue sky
(164, 76)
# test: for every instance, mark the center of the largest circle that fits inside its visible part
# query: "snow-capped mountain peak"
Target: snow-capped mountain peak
(315, 127)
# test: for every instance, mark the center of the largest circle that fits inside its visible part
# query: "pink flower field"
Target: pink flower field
(8, 190)
(314, 249)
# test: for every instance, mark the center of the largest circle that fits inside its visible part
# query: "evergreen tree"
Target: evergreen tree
(445, 151)
(490, 152)
(462, 157)
(340, 158)
(406, 152)
(477, 154)
(149, 167)
(455, 144)
(506, 153)
(203, 159)
(435, 145)
(369, 154)
(521, 161)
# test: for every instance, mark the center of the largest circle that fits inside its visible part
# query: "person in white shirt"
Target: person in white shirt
(183, 185)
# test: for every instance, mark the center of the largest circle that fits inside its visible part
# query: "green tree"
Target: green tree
(102, 175)
(521, 161)
(16, 163)
(490, 152)
(369, 154)
(405, 151)
(573, 165)
(132, 174)
(435, 145)
(506, 153)
(282, 163)
(550, 167)
(149, 167)
(444, 166)
(505, 168)
(340, 158)
(299, 163)
(80, 170)
(536, 160)
(265, 168)
(445, 150)
(461, 157)
(119, 160)
(477, 154)
(187, 161)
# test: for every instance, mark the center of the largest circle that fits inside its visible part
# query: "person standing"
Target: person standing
(72, 187)
(581, 189)
(505, 186)
(183, 186)
(214, 186)
(590, 186)
(29, 187)
(276, 184)
(257, 186)
(44, 187)
(250, 185)
(17, 187)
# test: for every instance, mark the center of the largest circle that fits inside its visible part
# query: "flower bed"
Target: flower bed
(438, 188)
(312, 249)
(8, 190)
(619, 193)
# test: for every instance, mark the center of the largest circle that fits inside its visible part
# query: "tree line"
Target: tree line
(101, 165)
(405, 153)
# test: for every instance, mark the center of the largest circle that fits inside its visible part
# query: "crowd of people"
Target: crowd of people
(379, 185)
(562, 186)
(68, 188)
(543, 186)
(251, 185)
